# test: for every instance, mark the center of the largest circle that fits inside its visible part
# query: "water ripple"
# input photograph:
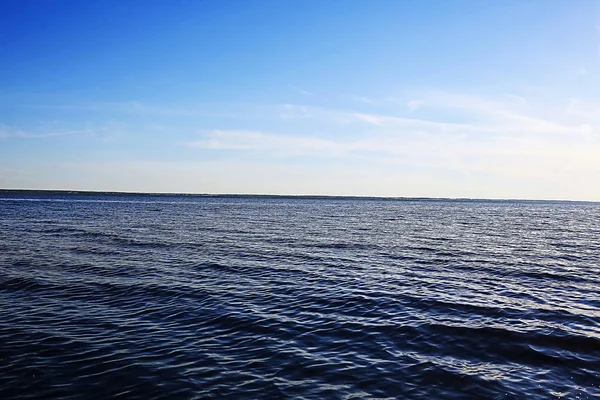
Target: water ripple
(170, 297)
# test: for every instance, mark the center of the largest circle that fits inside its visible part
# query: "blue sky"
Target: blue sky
(465, 98)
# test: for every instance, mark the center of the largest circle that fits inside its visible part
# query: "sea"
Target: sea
(256, 297)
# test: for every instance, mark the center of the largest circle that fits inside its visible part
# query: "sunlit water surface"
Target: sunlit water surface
(181, 297)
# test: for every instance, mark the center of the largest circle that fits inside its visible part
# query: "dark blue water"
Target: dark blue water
(181, 297)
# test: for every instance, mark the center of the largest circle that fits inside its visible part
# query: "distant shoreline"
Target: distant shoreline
(63, 192)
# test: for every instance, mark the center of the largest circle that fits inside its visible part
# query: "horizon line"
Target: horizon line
(263, 195)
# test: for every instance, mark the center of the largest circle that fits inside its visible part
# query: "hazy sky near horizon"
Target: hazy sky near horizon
(436, 98)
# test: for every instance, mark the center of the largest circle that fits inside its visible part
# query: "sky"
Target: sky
(432, 98)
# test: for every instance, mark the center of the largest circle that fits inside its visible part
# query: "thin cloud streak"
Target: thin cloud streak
(492, 116)
(449, 152)
(8, 133)
(301, 91)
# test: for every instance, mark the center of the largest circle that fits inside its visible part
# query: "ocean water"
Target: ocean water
(148, 297)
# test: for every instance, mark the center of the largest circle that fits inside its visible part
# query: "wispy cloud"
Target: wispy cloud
(452, 152)
(349, 117)
(513, 116)
(277, 144)
(414, 105)
(7, 132)
(499, 115)
(508, 137)
(362, 99)
(301, 91)
(483, 119)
